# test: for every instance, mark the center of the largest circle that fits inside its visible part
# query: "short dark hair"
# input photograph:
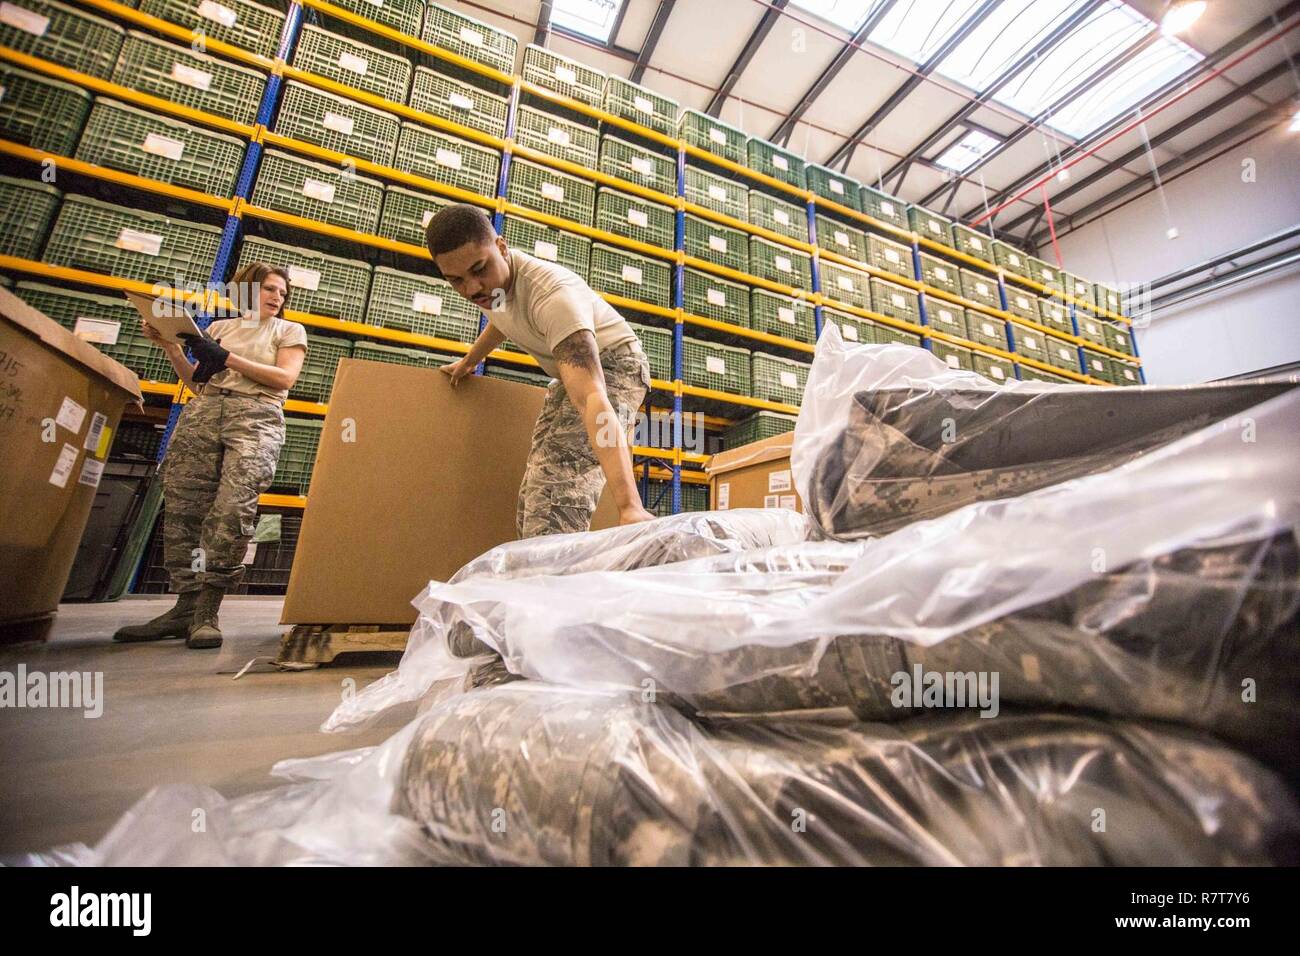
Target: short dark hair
(457, 225)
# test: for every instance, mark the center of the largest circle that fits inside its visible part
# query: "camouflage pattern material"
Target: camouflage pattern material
(563, 479)
(221, 458)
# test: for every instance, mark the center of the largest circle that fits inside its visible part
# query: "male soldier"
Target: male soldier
(602, 376)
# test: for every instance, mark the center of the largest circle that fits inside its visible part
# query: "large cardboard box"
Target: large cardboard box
(60, 403)
(754, 476)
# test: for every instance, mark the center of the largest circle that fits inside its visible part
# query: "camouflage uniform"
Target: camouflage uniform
(222, 456)
(563, 479)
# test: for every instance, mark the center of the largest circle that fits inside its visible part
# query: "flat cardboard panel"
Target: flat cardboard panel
(754, 474)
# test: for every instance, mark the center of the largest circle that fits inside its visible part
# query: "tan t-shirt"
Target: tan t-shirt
(547, 303)
(257, 343)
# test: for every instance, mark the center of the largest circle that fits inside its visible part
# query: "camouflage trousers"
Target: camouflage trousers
(563, 479)
(222, 456)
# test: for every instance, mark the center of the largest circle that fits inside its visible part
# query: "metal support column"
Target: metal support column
(921, 307)
(1011, 335)
(679, 278)
(816, 268)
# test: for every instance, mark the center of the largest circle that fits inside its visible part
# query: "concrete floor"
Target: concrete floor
(169, 716)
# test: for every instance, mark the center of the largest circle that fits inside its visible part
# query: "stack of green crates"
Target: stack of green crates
(420, 304)
(713, 136)
(986, 330)
(940, 273)
(469, 38)
(319, 192)
(1045, 273)
(973, 243)
(458, 101)
(888, 335)
(625, 214)
(353, 63)
(395, 355)
(853, 329)
(929, 224)
(1125, 373)
(993, 368)
(777, 215)
(946, 318)
(406, 214)
(778, 379)
(889, 256)
(131, 348)
(448, 159)
(62, 34)
(40, 112)
(757, 427)
(895, 301)
(552, 135)
(26, 209)
(834, 186)
(778, 263)
(1091, 328)
(841, 238)
(954, 356)
(717, 193)
(557, 73)
(1076, 286)
(638, 164)
(155, 146)
(882, 206)
(640, 105)
(1054, 315)
(1062, 354)
(1030, 342)
(319, 284)
(1011, 259)
(1022, 303)
(782, 315)
(1098, 365)
(713, 297)
(316, 380)
(657, 344)
(659, 500)
(723, 368)
(338, 123)
(554, 245)
(980, 288)
(551, 191)
(298, 454)
(1118, 337)
(191, 79)
(250, 26)
(1107, 298)
(400, 15)
(846, 284)
(716, 243)
(772, 160)
(619, 272)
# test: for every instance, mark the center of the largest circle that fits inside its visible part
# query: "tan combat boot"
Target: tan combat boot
(173, 623)
(204, 632)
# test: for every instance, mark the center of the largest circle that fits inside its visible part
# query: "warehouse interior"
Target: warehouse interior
(971, 346)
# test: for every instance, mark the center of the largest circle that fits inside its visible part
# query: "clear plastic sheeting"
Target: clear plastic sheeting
(888, 435)
(527, 774)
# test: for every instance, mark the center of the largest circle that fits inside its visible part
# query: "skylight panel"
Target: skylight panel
(967, 151)
(1008, 33)
(916, 28)
(590, 18)
(845, 14)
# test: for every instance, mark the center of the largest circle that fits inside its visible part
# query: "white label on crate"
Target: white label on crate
(886, 208)
(987, 328)
(718, 193)
(841, 238)
(631, 274)
(981, 288)
(716, 297)
(357, 64)
(71, 415)
(892, 255)
(472, 37)
(91, 472)
(899, 301)
(935, 228)
(1013, 259)
(781, 216)
(724, 495)
(451, 159)
(426, 303)
(844, 282)
(460, 101)
(718, 244)
(785, 314)
(715, 365)
(163, 146)
(771, 501)
(424, 220)
(218, 13)
(781, 163)
(784, 264)
(565, 75)
(546, 250)
(718, 136)
(643, 166)
(199, 79)
(553, 191)
(145, 242)
(1128, 374)
(942, 273)
(63, 467)
(377, 3)
(850, 332)
(26, 20)
(96, 431)
(837, 187)
(557, 135)
(315, 189)
(1049, 275)
(1098, 365)
(99, 331)
(952, 361)
(1090, 328)
(340, 124)
(638, 217)
(779, 481)
(977, 243)
(945, 316)
(1030, 342)
(250, 553)
(789, 380)
(996, 372)
(1022, 301)
(1064, 353)
(643, 104)
(301, 278)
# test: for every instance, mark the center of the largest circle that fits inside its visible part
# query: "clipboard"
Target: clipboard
(170, 319)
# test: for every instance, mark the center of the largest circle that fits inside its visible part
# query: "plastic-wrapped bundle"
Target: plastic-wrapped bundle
(529, 774)
(888, 437)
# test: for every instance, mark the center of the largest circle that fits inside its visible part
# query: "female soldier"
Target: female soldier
(223, 451)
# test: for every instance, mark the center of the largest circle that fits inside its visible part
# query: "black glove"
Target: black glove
(206, 351)
(204, 371)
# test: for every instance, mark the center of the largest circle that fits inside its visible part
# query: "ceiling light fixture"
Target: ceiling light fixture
(1181, 16)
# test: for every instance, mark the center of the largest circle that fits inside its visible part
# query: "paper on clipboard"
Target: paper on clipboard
(169, 318)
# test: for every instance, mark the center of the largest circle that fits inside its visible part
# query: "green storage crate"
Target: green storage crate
(841, 238)
(551, 191)
(1055, 315)
(713, 297)
(929, 224)
(853, 329)
(993, 368)
(1062, 354)
(555, 136)
(986, 330)
(458, 101)
(338, 123)
(980, 288)
(315, 191)
(1098, 365)
(713, 136)
(723, 368)
(196, 80)
(249, 26)
(619, 272)
(518, 375)
(657, 344)
(778, 215)
(758, 427)
(1125, 373)
(888, 335)
(554, 245)
(940, 273)
(953, 356)
(845, 284)
(782, 315)
(557, 73)
(778, 263)
(1076, 286)
(420, 304)
(882, 206)
(694, 497)
(946, 318)
(716, 243)
(470, 38)
(406, 214)
(1107, 298)
(132, 349)
(1117, 337)
(778, 379)
(1011, 259)
(131, 243)
(972, 242)
(316, 380)
(1022, 303)
(1029, 374)
(638, 164)
(1046, 274)
(640, 105)
(394, 355)
(772, 160)
(62, 34)
(298, 454)
(1090, 327)
(40, 112)
(625, 214)
(716, 192)
(1030, 342)
(401, 15)
(889, 256)
(26, 209)
(448, 159)
(155, 146)
(352, 63)
(828, 184)
(321, 285)
(895, 301)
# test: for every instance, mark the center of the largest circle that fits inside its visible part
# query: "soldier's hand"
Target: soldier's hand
(634, 515)
(153, 335)
(456, 370)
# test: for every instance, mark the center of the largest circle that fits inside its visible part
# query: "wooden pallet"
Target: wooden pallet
(321, 643)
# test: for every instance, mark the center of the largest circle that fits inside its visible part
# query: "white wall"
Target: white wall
(1249, 327)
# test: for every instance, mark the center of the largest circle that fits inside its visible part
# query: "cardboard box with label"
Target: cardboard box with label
(61, 400)
(754, 476)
